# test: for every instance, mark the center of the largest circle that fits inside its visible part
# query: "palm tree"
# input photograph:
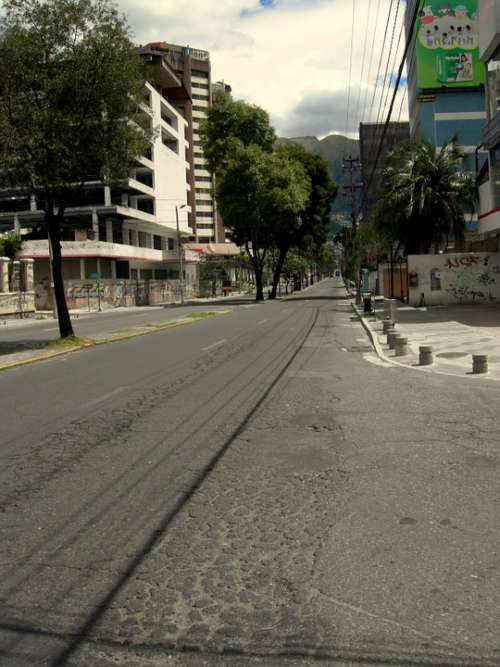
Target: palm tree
(425, 195)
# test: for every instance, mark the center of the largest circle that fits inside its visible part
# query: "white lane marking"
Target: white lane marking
(214, 345)
(261, 322)
(96, 401)
(51, 329)
(344, 349)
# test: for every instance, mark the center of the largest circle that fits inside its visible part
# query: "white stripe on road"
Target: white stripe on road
(214, 345)
(51, 329)
(96, 401)
(261, 322)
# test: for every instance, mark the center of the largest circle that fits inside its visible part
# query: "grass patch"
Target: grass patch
(69, 343)
(202, 313)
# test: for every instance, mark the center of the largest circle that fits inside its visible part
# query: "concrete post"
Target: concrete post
(426, 355)
(109, 231)
(386, 325)
(4, 274)
(391, 309)
(479, 363)
(95, 225)
(389, 333)
(16, 276)
(391, 339)
(401, 346)
(107, 195)
(27, 267)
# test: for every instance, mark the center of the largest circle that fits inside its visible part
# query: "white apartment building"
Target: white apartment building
(124, 230)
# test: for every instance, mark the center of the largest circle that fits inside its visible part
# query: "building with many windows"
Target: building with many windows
(446, 91)
(123, 230)
(194, 69)
(370, 135)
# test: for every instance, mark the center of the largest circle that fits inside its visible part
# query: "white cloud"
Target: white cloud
(291, 58)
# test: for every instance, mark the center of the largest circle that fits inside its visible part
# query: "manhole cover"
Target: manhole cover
(452, 355)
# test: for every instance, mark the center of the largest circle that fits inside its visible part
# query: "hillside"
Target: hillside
(332, 148)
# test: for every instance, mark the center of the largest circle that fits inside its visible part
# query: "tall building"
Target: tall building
(194, 69)
(370, 135)
(122, 230)
(489, 177)
(445, 75)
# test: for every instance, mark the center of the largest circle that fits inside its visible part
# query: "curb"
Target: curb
(105, 341)
(372, 335)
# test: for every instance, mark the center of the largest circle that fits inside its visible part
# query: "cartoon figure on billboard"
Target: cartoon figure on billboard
(448, 44)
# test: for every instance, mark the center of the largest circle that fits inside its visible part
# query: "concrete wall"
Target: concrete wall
(17, 303)
(454, 278)
(83, 294)
(489, 28)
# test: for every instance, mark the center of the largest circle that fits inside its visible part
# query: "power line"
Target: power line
(356, 116)
(380, 60)
(400, 72)
(350, 75)
(388, 58)
(371, 59)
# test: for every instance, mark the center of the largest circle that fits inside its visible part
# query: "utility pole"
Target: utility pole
(179, 252)
(352, 165)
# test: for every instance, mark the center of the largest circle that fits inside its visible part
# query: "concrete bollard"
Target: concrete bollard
(426, 355)
(479, 363)
(401, 346)
(391, 339)
(388, 334)
(391, 309)
(386, 325)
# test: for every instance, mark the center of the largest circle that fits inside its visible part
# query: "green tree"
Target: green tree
(231, 124)
(10, 244)
(425, 195)
(258, 193)
(70, 85)
(313, 223)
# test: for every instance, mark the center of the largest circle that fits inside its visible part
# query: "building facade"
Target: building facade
(194, 69)
(369, 138)
(489, 178)
(123, 230)
(446, 78)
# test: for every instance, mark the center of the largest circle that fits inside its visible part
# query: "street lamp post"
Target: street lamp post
(179, 252)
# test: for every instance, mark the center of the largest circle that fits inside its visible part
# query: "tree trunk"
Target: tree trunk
(277, 271)
(54, 231)
(259, 287)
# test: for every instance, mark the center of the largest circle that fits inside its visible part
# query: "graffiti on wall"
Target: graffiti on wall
(457, 278)
(473, 278)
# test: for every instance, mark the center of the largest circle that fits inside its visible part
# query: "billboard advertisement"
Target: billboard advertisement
(447, 45)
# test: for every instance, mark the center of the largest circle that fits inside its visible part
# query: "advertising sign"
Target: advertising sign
(447, 45)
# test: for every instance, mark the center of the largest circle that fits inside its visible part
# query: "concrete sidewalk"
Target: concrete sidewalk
(454, 332)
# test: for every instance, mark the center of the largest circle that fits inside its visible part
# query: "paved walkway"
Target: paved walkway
(454, 332)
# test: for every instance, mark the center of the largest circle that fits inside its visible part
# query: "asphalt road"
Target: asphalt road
(250, 490)
(108, 321)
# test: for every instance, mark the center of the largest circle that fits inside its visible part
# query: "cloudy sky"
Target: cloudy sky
(289, 56)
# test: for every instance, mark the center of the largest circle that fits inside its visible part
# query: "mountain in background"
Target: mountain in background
(333, 149)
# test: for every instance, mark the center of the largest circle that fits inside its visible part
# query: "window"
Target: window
(204, 202)
(202, 191)
(197, 108)
(199, 73)
(204, 225)
(146, 274)
(200, 155)
(204, 214)
(143, 240)
(157, 242)
(195, 84)
(205, 98)
(203, 179)
(171, 244)
(160, 274)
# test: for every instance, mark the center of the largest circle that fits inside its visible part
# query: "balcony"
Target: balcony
(101, 249)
